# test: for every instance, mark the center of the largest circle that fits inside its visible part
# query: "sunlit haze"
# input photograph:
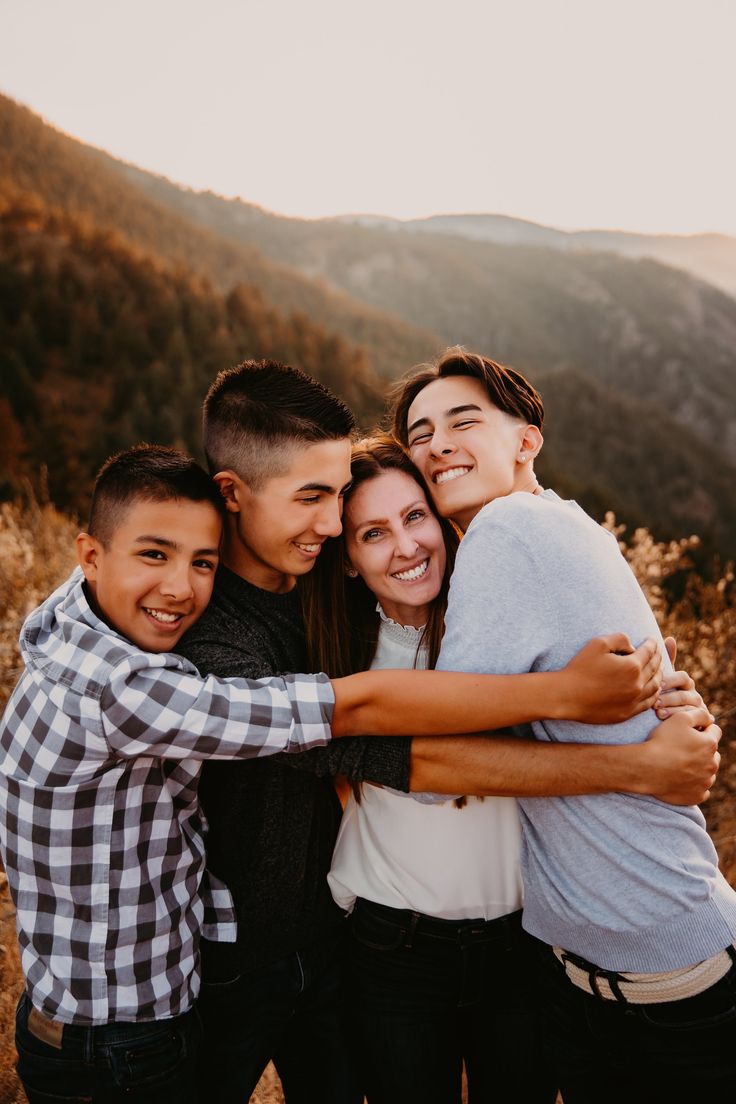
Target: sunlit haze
(578, 113)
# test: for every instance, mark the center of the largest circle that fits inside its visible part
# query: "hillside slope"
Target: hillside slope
(81, 181)
(644, 330)
(101, 347)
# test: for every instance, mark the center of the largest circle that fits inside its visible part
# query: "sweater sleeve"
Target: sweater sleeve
(384, 760)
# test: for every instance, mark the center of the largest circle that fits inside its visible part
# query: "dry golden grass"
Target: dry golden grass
(36, 553)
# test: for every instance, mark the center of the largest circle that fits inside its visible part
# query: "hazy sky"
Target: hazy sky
(578, 113)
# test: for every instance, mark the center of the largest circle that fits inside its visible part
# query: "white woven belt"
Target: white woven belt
(648, 988)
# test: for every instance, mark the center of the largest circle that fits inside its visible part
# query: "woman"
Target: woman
(438, 962)
(437, 952)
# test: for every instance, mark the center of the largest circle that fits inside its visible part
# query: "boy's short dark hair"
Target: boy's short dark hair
(146, 473)
(506, 388)
(256, 413)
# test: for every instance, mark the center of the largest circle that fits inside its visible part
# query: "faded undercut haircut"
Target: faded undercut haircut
(506, 388)
(256, 414)
(146, 473)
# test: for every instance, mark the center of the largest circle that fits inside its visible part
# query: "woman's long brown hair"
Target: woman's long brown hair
(340, 612)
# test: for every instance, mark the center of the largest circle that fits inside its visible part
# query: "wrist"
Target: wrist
(561, 699)
(636, 767)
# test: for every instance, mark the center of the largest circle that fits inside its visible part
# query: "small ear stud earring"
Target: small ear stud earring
(522, 458)
(351, 573)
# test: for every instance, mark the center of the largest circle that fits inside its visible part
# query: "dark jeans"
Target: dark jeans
(605, 1052)
(431, 994)
(144, 1063)
(292, 1012)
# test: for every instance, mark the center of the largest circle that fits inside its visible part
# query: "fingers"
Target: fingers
(671, 645)
(677, 699)
(713, 730)
(620, 643)
(678, 680)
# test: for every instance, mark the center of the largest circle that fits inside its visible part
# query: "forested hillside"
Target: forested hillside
(74, 178)
(101, 347)
(644, 330)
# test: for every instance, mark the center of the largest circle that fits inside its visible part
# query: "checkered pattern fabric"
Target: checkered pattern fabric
(101, 832)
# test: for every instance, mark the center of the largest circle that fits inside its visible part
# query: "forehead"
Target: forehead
(382, 496)
(442, 395)
(324, 463)
(196, 524)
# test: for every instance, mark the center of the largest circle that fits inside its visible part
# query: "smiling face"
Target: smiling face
(277, 532)
(468, 450)
(395, 543)
(154, 577)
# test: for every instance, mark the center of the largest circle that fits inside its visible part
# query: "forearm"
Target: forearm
(434, 703)
(504, 766)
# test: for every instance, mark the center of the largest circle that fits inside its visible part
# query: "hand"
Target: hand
(682, 757)
(677, 692)
(611, 681)
(677, 689)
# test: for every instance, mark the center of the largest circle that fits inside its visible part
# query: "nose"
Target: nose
(441, 444)
(328, 522)
(406, 545)
(177, 583)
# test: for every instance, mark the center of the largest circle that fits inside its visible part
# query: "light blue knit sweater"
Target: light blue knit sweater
(628, 882)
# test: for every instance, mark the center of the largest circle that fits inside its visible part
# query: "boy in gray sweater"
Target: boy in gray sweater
(636, 922)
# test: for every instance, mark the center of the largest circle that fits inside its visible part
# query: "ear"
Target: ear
(530, 444)
(88, 554)
(233, 490)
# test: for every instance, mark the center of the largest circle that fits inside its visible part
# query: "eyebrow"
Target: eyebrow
(451, 413)
(164, 542)
(324, 488)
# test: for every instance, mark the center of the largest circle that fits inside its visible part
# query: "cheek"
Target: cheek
(203, 587)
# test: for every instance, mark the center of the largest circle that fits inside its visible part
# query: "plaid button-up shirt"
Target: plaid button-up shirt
(102, 836)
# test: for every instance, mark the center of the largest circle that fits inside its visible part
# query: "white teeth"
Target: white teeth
(451, 473)
(159, 615)
(413, 573)
(308, 547)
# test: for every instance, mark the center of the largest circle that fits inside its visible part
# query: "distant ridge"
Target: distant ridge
(711, 257)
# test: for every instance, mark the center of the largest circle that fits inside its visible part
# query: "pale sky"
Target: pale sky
(575, 113)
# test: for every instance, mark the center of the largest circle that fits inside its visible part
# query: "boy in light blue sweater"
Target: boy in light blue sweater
(636, 922)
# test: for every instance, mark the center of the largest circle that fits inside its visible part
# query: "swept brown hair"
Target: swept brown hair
(340, 612)
(506, 388)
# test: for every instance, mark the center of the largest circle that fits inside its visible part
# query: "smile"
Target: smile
(451, 473)
(162, 616)
(310, 549)
(413, 572)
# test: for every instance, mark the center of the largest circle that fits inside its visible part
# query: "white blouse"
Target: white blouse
(456, 864)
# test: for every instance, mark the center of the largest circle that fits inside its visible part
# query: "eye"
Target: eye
(205, 565)
(465, 423)
(416, 515)
(310, 501)
(371, 534)
(152, 554)
(419, 439)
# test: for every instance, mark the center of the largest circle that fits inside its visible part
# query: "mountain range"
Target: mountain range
(636, 358)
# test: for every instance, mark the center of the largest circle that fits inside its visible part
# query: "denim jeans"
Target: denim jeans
(606, 1052)
(143, 1063)
(431, 994)
(291, 1011)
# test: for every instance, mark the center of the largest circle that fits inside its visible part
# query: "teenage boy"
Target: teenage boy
(636, 921)
(277, 443)
(100, 752)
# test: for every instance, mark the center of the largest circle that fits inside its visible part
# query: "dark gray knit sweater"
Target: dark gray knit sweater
(273, 822)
